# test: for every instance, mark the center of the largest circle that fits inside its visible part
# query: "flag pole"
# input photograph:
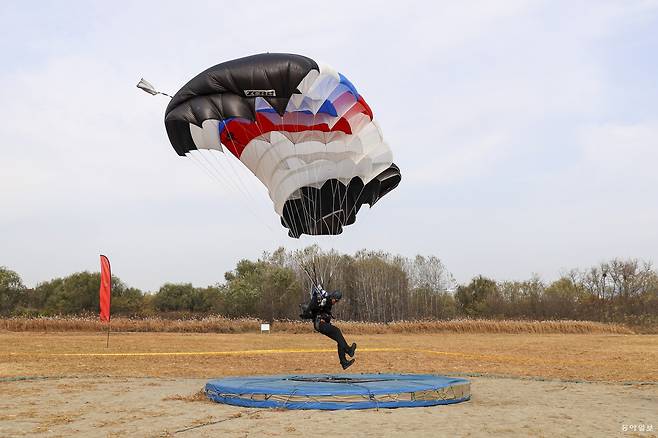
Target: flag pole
(108, 335)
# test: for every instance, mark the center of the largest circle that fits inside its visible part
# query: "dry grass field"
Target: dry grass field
(590, 357)
(147, 383)
(218, 324)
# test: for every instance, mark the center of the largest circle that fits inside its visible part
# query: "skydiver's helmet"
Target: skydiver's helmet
(336, 295)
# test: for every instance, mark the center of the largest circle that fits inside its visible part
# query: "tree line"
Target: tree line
(376, 286)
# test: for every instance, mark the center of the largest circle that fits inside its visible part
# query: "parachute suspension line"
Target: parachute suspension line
(323, 272)
(326, 157)
(218, 177)
(308, 217)
(327, 270)
(317, 206)
(319, 269)
(313, 282)
(308, 209)
(304, 218)
(235, 172)
(303, 266)
(344, 198)
(315, 272)
(292, 226)
(209, 169)
(358, 197)
(149, 88)
(239, 185)
(340, 217)
(304, 215)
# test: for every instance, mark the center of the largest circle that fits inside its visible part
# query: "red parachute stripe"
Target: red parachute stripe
(366, 107)
(237, 134)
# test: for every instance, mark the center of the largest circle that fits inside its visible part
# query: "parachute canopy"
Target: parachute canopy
(303, 130)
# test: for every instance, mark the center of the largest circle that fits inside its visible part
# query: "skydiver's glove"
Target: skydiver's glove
(321, 294)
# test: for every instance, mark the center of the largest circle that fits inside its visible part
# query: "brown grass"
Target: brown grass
(218, 324)
(591, 357)
(199, 396)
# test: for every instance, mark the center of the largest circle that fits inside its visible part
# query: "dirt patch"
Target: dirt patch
(499, 406)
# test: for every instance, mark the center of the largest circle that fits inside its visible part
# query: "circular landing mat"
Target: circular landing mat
(339, 391)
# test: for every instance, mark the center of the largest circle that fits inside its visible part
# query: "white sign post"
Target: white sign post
(265, 328)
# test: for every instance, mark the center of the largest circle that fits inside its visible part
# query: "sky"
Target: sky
(526, 133)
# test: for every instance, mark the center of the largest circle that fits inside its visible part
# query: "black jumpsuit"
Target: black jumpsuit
(322, 323)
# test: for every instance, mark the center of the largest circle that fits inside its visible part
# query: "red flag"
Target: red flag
(106, 288)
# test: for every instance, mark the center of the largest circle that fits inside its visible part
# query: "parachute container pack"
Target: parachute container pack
(302, 128)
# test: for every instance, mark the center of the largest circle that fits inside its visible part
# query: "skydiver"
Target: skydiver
(319, 310)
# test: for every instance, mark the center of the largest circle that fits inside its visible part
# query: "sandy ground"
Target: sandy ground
(555, 385)
(113, 407)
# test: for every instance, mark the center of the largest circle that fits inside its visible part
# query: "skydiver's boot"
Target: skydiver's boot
(347, 363)
(352, 349)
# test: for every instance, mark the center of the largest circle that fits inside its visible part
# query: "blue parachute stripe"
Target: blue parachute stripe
(328, 108)
(223, 123)
(348, 84)
(309, 112)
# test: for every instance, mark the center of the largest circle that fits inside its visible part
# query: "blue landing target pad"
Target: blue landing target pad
(339, 391)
